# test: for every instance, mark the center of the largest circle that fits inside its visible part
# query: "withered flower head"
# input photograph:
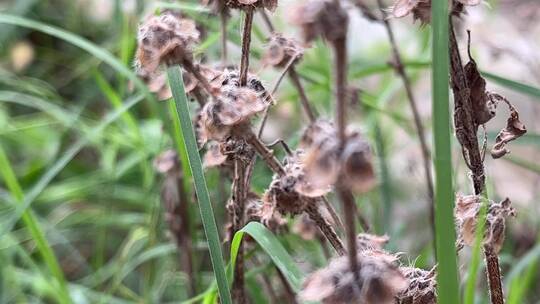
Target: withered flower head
(234, 106)
(213, 156)
(326, 18)
(280, 51)
(421, 288)
(245, 4)
(379, 281)
(367, 241)
(166, 162)
(164, 39)
(467, 212)
(421, 9)
(324, 161)
(514, 129)
(264, 213)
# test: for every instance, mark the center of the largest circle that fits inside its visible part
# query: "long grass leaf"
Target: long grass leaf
(205, 207)
(273, 248)
(31, 222)
(514, 85)
(447, 273)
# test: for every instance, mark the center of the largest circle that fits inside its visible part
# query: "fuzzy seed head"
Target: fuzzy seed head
(280, 51)
(421, 288)
(379, 281)
(325, 18)
(165, 39)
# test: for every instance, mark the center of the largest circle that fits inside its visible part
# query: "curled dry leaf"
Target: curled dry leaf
(467, 212)
(484, 105)
(421, 9)
(514, 129)
(379, 281)
(421, 288)
(280, 51)
(164, 39)
(325, 163)
(326, 18)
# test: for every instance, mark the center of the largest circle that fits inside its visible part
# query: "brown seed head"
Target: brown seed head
(164, 39)
(280, 51)
(421, 9)
(421, 288)
(467, 212)
(326, 18)
(379, 281)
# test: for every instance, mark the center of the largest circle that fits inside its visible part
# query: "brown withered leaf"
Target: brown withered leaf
(514, 129)
(483, 106)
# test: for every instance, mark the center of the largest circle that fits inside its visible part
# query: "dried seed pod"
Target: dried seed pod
(324, 162)
(421, 288)
(514, 129)
(379, 281)
(213, 156)
(421, 9)
(280, 51)
(467, 212)
(164, 39)
(326, 18)
(251, 4)
(264, 213)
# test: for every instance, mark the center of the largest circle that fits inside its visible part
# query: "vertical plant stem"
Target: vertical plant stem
(223, 18)
(447, 274)
(494, 275)
(302, 94)
(325, 227)
(238, 202)
(32, 224)
(267, 21)
(246, 41)
(340, 58)
(398, 64)
(207, 214)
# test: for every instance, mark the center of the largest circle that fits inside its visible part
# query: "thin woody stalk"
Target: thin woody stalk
(246, 41)
(466, 132)
(238, 203)
(223, 18)
(398, 65)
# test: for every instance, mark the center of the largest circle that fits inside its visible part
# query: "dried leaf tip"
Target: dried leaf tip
(514, 129)
(467, 212)
(326, 18)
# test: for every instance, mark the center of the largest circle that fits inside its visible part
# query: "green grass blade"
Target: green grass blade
(447, 273)
(31, 222)
(80, 42)
(205, 207)
(273, 248)
(68, 155)
(523, 163)
(514, 85)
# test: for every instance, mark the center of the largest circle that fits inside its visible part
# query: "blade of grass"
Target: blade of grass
(447, 273)
(82, 43)
(31, 222)
(68, 155)
(514, 85)
(273, 248)
(205, 207)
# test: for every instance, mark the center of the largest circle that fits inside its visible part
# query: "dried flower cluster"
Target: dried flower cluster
(281, 50)
(421, 9)
(421, 289)
(467, 212)
(325, 160)
(326, 18)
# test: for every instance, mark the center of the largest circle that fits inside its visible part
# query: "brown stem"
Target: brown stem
(348, 210)
(493, 275)
(465, 126)
(340, 57)
(325, 227)
(416, 115)
(224, 53)
(466, 132)
(266, 154)
(190, 67)
(302, 94)
(246, 41)
(333, 213)
(267, 20)
(239, 199)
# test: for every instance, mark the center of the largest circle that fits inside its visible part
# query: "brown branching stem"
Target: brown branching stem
(398, 65)
(466, 133)
(193, 69)
(347, 199)
(239, 197)
(267, 21)
(325, 227)
(246, 41)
